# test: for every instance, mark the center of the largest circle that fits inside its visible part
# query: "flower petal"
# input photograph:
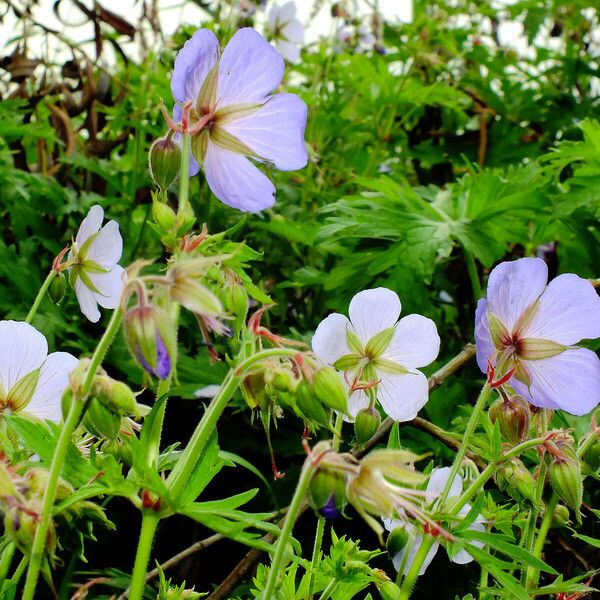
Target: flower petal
(515, 285)
(275, 132)
(357, 401)
(87, 301)
(249, 70)
(569, 381)
(569, 311)
(54, 379)
(107, 248)
(293, 31)
(289, 51)
(402, 396)
(90, 225)
(372, 311)
(412, 552)
(110, 285)
(462, 557)
(192, 64)
(329, 341)
(437, 482)
(235, 181)
(416, 342)
(22, 350)
(483, 340)
(287, 12)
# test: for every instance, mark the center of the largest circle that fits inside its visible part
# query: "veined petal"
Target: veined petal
(568, 311)
(462, 557)
(286, 12)
(192, 64)
(91, 224)
(275, 132)
(415, 343)
(54, 379)
(402, 396)
(22, 350)
(412, 550)
(250, 69)
(329, 341)
(107, 247)
(371, 311)
(483, 340)
(110, 286)
(437, 482)
(513, 286)
(87, 301)
(569, 381)
(235, 181)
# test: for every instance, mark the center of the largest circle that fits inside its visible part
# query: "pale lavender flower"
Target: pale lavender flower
(532, 327)
(287, 30)
(31, 380)
(235, 118)
(375, 346)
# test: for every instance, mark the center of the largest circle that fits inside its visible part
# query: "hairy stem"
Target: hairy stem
(150, 522)
(184, 179)
(413, 572)
(532, 573)
(40, 296)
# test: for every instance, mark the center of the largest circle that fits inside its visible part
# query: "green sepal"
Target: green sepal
(21, 393)
(354, 343)
(498, 331)
(208, 91)
(537, 349)
(348, 361)
(389, 366)
(377, 345)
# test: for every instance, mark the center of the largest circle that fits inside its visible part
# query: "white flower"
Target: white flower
(95, 275)
(31, 380)
(374, 346)
(359, 39)
(435, 486)
(287, 31)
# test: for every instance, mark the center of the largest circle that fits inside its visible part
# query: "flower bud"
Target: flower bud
(57, 289)
(387, 589)
(561, 516)
(253, 390)
(564, 475)
(100, 421)
(163, 215)
(121, 451)
(397, 540)
(327, 492)
(513, 417)
(366, 424)
(309, 406)
(165, 162)
(116, 396)
(235, 301)
(37, 480)
(20, 526)
(187, 287)
(149, 335)
(513, 478)
(330, 390)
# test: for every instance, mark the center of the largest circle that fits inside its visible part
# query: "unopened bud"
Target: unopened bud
(57, 289)
(513, 478)
(100, 421)
(513, 417)
(387, 589)
(397, 541)
(121, 451)
(164, 216)
(565, 478)
(115, 395)
(20, 526)
(561, 517)
(37, 479)
(330, 390)
(235, 301)
(327, 492)
(309, 406)
(253, 390)
(165, 162)
(366, 424)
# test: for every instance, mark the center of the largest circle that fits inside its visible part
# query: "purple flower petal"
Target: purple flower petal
(235, 181)
(163, 360)
(145, 364)
(515, 285)
(483, 341)
(330, 510)
(569, 311)
(275, 132)
(569, 381)
(249, 70)
(197, 57)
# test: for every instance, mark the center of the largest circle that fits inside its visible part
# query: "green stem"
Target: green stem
(184, 179)
(150, 521)
(316, 555)
(290, 520)
(19, 571)
(60, 452)
(473, 275)
(413, 573)
(329, 590)
(532, 573)
(594, 435)
(40, 296)
(483, 583)
(5, 561)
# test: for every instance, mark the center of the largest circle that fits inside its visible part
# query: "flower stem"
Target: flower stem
(290, 519)
(40, 296)
(473, 275)
(60, 452)
(316, 555)
(150, 520)
(184, 180)
(5, 561)
(532, 573)
(413, 573)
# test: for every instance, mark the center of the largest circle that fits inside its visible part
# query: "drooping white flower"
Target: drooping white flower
(373, 346)
(95, 274)
(31, 381)
(435, 486)
(287, 31)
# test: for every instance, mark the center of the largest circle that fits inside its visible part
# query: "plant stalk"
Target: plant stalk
(40, 296)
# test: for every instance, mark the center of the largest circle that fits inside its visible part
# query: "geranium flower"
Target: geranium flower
(435, 486)
(287, 31)
(31, 381)
(530, 329)
(359, 39)
(95, 274)
(373, 347)
(233, 117)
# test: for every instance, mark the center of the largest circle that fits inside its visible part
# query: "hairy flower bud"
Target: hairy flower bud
(100, 421)
(397, 540)
(164, 161)
(327, 492)
(564, 475)
(366, 424)
(513, 478)
(150, 337)
(309, 406)
(330, 390)
(164, 216)
(560, 518)
(57, 289)
(253, 390)
(20, 525)
(513, 417)
(116, 396)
